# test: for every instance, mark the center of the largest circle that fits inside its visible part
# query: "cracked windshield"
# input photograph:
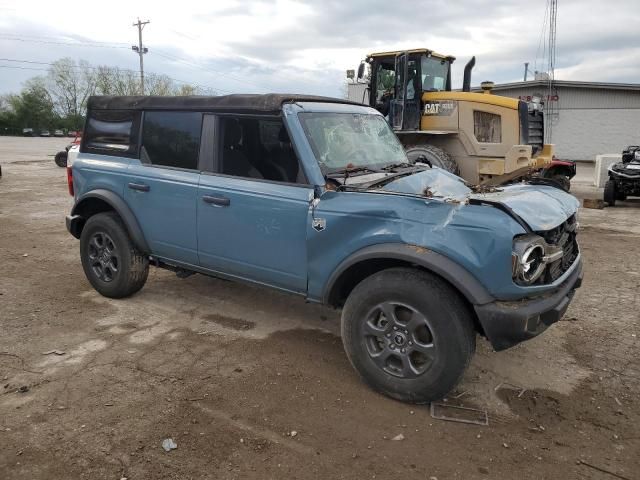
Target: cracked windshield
(350, 140)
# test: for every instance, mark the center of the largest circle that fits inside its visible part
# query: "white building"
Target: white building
(588, 118)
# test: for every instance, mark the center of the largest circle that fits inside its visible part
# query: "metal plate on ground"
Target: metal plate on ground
(452, 413)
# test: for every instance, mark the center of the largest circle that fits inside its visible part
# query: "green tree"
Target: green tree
(33, 107)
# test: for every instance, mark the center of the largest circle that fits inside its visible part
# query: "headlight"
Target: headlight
(636, 155)
(528, 259)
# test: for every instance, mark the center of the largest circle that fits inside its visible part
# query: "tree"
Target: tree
(59, 99)
(113, 81)
(158, 85)
(70, 85)
(33, 108)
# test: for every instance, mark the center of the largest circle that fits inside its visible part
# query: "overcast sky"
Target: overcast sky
(306, 45)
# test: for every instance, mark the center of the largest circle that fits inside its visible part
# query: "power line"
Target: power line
(119, 45)
(24, 68)
(47, 42)
(542, 35)
(205, 68)
(61, 37)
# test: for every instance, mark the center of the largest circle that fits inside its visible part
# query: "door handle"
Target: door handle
(141, 187)
(218, 201)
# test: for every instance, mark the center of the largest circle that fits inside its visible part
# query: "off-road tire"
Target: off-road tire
(447, 316)
(437, 157)
(610, 193)
(61, 159)
(132, 265)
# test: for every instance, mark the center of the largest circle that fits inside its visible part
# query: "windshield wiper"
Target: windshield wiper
(398, 165)
(347, 171)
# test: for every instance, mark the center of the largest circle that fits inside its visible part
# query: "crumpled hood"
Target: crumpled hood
(542, 207)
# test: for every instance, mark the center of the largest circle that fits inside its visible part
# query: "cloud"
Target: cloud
(306, 45)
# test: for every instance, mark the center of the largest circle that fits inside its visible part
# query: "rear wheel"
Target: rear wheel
(112, 264)
(437, 157)
(61, 159)
(610, 193)
(408, 334)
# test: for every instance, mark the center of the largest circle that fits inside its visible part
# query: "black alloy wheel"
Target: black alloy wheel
(399, 339)
(103, 256)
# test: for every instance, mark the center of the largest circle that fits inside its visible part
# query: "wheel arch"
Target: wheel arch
(101, 200)
(375, 258)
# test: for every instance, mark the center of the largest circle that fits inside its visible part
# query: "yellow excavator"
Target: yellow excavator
(485, 138)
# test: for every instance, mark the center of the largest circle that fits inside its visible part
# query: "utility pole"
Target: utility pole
(141, 51)
(526, 70)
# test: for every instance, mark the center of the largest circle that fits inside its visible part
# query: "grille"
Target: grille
(563, 236)
(536, 130)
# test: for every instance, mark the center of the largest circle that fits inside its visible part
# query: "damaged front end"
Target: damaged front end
(535, 207)
(519, 240)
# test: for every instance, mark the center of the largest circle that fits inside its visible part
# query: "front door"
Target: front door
(252, 223)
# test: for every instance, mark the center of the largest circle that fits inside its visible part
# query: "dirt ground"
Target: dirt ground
(253, 384)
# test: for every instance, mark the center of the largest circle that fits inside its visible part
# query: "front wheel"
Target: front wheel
(610, 193)
(436, 156)
(112, 264)
(408, 334)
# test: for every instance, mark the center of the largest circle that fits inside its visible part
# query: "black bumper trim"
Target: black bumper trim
(506, 324)
(74, 224)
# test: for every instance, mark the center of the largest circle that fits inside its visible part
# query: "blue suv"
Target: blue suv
(315, 196)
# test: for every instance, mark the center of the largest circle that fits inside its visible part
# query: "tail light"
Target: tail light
(70, 181)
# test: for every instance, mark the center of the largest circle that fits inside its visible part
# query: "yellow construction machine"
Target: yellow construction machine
(485, 138)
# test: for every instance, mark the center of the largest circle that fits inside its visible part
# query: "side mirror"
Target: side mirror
(361, 71)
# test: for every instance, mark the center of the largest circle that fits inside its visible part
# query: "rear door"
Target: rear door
(162, 185)
(250, 226)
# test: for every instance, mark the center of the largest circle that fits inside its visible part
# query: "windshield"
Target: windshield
(352, 140)
(434, 74)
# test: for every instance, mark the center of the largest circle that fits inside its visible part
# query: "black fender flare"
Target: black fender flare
(468, 285)
(121, 208)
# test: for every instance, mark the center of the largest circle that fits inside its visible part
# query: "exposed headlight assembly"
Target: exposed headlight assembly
(529, 258)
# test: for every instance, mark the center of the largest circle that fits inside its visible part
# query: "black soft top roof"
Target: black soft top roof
(269, 103)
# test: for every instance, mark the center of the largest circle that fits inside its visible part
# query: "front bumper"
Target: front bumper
(506, 324)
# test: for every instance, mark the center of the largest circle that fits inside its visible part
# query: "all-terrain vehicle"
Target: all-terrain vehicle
(62, 156)
(316, 197)
(624, 177)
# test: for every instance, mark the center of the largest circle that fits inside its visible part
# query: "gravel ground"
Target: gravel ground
(254, 384)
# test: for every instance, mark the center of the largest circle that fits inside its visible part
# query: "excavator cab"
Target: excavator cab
(399, 79)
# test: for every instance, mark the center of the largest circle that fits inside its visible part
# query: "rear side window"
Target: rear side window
(112, 132)
(171, 139)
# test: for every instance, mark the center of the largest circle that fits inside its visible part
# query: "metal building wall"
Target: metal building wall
(589, 121)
